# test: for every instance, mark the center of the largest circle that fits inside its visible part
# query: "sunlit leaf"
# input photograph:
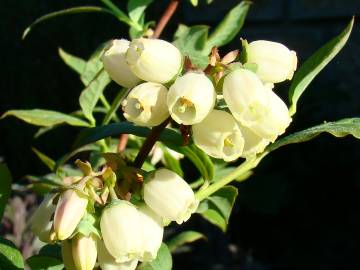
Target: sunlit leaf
(163, 260)
(76, 63)
(10, 256)
(68, 11)
(341, 128)
(91, 94)
(45, 118)
(317, 62)
(44, 158)
(230, 26)
(184, 238)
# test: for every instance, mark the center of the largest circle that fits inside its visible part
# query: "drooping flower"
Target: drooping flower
(191, 98)
(41, 224)
(84, 251)
(107, 262)
(275, 62)
(246, 96)
(253, 143)
(154, 60)
(66, 254)
(219, 136)
(70, 208)
(145, 105)
(114, 61)
(169, 196)
(152, 232)
(121, 231)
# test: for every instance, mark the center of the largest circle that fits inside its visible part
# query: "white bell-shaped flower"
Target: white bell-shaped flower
(66, 254)
(145, 105)
(191, 98)
(276, 121)
(219, 136)
(246, 96)
(40, 221)
(253, 143)
(69, 210)
(275, 62)
(114, 61)
(84, 251)
(152, 232)
(107, 262)
(121, 231)
(169, 196)
(154, 60)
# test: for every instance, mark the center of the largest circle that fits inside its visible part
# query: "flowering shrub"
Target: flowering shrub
(187, 102)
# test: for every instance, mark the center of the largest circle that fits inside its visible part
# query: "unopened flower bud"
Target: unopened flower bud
(191, 98)
(152, 232)
(253, 143)
(276, 121)
(246, 96)
(107, 262)
(219, 136)
(121, 231)
(66, 254)
(84, 251)
(41, 223)
(154, 60)
(69, 210)
(114, 61)
(275, 62)
(145, 105)
(169, 196)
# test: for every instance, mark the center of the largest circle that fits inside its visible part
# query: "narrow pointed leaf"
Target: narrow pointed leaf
(341, 128)
(91, 94)
(45, 118)
(50, 163)
(184, 238)
(317, 62)
(76, 63)
(10, 256)
(136, 9)
(68, 11)
(230, 26)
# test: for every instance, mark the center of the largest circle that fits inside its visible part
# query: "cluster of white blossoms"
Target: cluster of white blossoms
(160, 88)
(125, 233)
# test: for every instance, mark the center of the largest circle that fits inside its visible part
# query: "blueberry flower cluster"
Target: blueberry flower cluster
(160, 86)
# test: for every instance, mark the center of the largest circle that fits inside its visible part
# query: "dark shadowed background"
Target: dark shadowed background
(301, 209)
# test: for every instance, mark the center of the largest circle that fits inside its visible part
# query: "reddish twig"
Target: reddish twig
(123, 139)
(149, 143)
(169, 12)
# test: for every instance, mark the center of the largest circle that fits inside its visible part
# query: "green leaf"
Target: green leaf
(42, 262)
(5, 187)
(341, 128)
(10, 257)
(171, 162)
(217, 208)
(117, 12)
(191, 42)
(230, 26)
(94, 65)
(163, 260)
(194, 2)
(76, 63)
(73, 10)
(201, 160)
(136, 9)
(44, 158)
(317, 62)
(91, 94)
(184, 238)
(45, 118)
(91, 135)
